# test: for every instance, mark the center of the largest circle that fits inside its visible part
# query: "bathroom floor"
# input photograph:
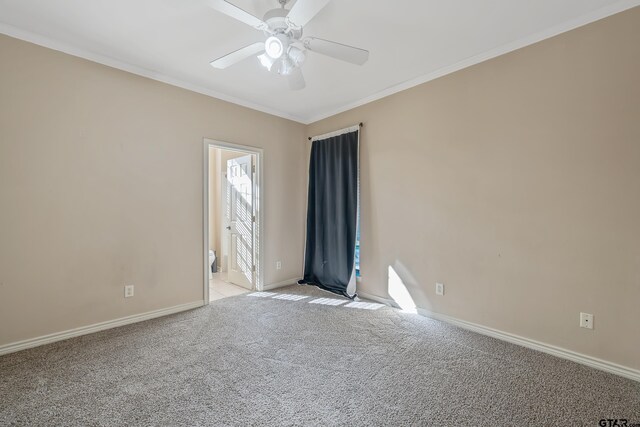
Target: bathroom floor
(219, 287)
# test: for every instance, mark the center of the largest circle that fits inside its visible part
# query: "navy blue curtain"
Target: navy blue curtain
(332, 214)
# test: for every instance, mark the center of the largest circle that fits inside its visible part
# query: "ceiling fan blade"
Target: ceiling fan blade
(237, 56)
(237, 13)
(304, 10)
(296, 80)
(336, 50)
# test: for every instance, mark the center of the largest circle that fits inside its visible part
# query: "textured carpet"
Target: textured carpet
(247, 360)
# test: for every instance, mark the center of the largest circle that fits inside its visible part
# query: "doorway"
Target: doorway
(232, 219)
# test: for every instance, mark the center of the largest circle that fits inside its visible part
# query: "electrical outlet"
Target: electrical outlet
(278, 265)
(128, 291)
(586, 320)
(439, 288)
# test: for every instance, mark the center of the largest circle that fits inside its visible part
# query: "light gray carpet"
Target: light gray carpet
(257, 361)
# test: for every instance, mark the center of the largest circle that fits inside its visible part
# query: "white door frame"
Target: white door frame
(258, 237)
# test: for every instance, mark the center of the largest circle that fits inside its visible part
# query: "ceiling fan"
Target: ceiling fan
(284, 49)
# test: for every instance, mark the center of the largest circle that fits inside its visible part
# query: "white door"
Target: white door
(240, 216)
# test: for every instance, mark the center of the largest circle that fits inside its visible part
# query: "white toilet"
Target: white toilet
(212, 259)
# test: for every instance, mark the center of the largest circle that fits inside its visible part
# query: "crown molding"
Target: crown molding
(50, 43)
(580, 21)
(612, 9)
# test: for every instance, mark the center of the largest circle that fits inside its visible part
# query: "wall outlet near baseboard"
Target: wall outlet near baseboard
(439, 288)
(586, 320)
(278, 265)
(128, 291)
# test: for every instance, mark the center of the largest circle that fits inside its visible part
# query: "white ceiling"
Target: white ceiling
(411, 41)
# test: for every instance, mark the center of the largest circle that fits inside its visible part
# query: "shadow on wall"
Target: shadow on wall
(404, 289)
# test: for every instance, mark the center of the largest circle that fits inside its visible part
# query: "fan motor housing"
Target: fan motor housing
(277, 21)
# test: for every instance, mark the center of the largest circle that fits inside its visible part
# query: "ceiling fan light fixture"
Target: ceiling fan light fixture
(274, 46)
(266, 61)
(297, 56)
(286, 66)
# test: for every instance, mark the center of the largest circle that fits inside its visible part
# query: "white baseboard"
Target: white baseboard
(282, 284)
(583, 359)
(96, 327)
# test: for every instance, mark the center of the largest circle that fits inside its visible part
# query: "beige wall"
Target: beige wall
(515, 182)
(101, 184)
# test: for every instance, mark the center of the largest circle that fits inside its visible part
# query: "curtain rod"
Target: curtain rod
(360, 124)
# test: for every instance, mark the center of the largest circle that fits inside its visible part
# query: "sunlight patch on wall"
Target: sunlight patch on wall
(398, 291)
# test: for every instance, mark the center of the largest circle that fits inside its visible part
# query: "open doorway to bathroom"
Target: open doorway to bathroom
(232, 219)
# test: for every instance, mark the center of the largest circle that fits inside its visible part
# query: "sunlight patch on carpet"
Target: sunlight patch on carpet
(327, 301)
(364, 305)
(261, 294)
(290, 297)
